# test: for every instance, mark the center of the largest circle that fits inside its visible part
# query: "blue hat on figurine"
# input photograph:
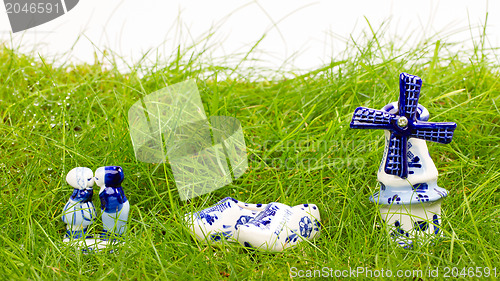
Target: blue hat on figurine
(111, 176)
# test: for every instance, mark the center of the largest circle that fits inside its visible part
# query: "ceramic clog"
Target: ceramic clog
(222, 220)
(280, 226)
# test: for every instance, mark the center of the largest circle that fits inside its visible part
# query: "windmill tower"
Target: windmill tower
(409, 197)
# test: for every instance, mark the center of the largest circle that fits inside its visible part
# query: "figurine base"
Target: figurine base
(93, 244)
(413, 223)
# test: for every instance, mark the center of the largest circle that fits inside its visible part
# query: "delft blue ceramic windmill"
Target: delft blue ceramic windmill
(407, 175)
(403, 125)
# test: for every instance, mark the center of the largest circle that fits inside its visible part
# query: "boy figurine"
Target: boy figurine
(114, 205)
(79, 212)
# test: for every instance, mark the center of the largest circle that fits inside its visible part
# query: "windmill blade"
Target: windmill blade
(409, 92)
(397, 163)
(367, 118)
(441, 132)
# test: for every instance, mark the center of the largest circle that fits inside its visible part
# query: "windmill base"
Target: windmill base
(413, 223)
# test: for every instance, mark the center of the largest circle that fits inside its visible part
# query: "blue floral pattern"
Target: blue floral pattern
(291, 238)
(242, 220)
(218, 236)
(306, 227)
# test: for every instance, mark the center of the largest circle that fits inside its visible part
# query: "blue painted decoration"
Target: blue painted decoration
(227, 216)
(403, 125)
(79, 212)
(407, 175)
(242, 220)
(306, 227)
(114, 204)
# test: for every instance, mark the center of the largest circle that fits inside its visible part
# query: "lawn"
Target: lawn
(300, 149)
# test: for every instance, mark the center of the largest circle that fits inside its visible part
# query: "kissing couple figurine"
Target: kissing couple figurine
(79, 213)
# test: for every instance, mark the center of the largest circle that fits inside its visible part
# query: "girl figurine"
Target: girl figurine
(79, 212)
(114, 205)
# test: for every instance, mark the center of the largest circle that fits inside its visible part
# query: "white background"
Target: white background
(299, 34)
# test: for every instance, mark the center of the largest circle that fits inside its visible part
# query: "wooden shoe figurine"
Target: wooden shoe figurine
(222, 220)
(280, 226)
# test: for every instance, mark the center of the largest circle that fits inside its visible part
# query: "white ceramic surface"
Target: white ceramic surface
(280, 226)
(413, 223)
(79, 212)
(222, 220)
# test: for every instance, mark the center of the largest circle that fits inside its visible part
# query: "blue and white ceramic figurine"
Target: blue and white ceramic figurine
(280, 226)
(269, 227)
(114, 204)
(79, 212)
(222, 220)
(409, 197)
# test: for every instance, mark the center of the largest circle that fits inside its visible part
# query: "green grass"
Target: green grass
(300, 150)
